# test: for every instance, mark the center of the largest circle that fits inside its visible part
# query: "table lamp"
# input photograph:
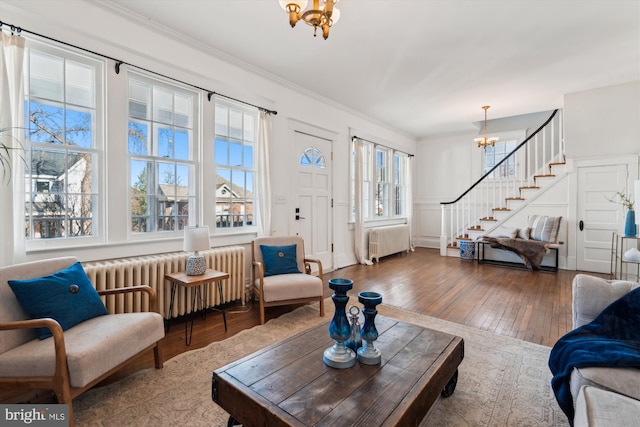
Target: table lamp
(196, 239)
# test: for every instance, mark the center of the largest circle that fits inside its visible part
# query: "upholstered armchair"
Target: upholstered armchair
(56, 333)
(281, 275)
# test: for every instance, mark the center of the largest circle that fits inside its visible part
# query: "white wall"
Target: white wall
(599, 124)
(603, 121)
(93, 27)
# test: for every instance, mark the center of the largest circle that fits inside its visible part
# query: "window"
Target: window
(63, 143)
(399, 183)
(160, 136)
(234, 149)
(384, 182)
(312, 157)
(493, 156)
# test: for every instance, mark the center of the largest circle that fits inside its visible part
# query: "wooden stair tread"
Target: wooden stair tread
(529, 187)
(501, 209)
(549, 175)
(515, 198)
(487, 218)
(557, 163)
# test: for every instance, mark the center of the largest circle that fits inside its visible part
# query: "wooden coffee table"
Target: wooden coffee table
(288, 384)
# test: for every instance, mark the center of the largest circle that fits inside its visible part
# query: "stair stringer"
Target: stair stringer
(542, 190)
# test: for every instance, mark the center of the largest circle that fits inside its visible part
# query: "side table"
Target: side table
(181, 278)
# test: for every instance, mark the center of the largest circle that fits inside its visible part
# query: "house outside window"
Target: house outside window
(63, 143)
(160, 136)
(235, 164)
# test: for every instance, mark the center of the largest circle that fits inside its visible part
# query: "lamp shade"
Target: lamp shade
(300, 3)
(196, 239)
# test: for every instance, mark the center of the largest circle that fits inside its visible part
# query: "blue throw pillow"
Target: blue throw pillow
(66, 296)
(279, 259)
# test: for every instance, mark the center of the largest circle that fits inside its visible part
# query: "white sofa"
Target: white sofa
(602, 396)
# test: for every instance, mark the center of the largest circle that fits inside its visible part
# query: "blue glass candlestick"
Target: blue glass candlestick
(368, 354)
(340, 356)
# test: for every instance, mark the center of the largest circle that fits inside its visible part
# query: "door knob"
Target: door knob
(581, 225)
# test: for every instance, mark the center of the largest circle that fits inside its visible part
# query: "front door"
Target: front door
(313, 198)
(598, 218)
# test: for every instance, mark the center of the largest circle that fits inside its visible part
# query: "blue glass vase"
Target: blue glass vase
(630, 224)
(368, 354)
(339, 355)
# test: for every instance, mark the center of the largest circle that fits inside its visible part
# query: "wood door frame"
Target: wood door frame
(572, 166)
(296, 126)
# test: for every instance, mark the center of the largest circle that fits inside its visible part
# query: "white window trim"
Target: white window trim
(195, 211)
(100, 236)
(212, 176)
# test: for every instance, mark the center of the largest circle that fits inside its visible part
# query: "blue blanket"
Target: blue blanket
(611, 340)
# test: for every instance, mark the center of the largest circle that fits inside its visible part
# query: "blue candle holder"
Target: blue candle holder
(340, 356)
(368, 354)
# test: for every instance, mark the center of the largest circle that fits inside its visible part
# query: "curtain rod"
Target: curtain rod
(18, 30)
(373, 142)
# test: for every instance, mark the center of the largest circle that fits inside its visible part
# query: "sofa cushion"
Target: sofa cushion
(601, 408)
(291, 286)
(66, 296)
(544, 228)
(524, 233)
(93, 347)
(279, 259)
(621, 380)
(593, 294)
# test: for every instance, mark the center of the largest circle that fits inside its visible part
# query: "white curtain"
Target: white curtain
(409, 201)
(360, 243)
(11, 123)
(264, 177)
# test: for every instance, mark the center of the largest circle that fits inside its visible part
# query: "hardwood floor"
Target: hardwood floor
(528, 305)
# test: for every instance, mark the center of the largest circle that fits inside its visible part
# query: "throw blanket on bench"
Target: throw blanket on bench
(611, 340)
(531, 251)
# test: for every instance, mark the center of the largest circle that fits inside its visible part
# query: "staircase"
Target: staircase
(526, 173)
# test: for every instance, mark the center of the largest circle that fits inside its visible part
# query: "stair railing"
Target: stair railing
(491, 192)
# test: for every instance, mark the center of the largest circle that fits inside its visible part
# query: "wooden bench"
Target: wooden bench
(511, 259)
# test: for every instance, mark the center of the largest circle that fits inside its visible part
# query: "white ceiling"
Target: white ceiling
(424, 67)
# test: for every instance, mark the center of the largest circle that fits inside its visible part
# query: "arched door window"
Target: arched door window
(312, 157)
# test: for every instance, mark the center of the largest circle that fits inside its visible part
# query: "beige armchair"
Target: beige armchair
(281, 275)
(72, 360)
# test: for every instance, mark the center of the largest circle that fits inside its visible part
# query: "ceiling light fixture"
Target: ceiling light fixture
(323, 17)
(483, 142)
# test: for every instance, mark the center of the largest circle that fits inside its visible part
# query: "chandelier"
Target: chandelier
(483, 142)
(323, 17)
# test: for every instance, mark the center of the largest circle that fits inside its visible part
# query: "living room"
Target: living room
(600, 119)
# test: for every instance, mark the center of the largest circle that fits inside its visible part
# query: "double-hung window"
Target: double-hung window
(383, 184)
(495, 154)
(400, 183)
(63, 143)
(160, 135)
(235, 164)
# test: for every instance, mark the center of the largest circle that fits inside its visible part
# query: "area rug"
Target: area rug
(502, 381)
